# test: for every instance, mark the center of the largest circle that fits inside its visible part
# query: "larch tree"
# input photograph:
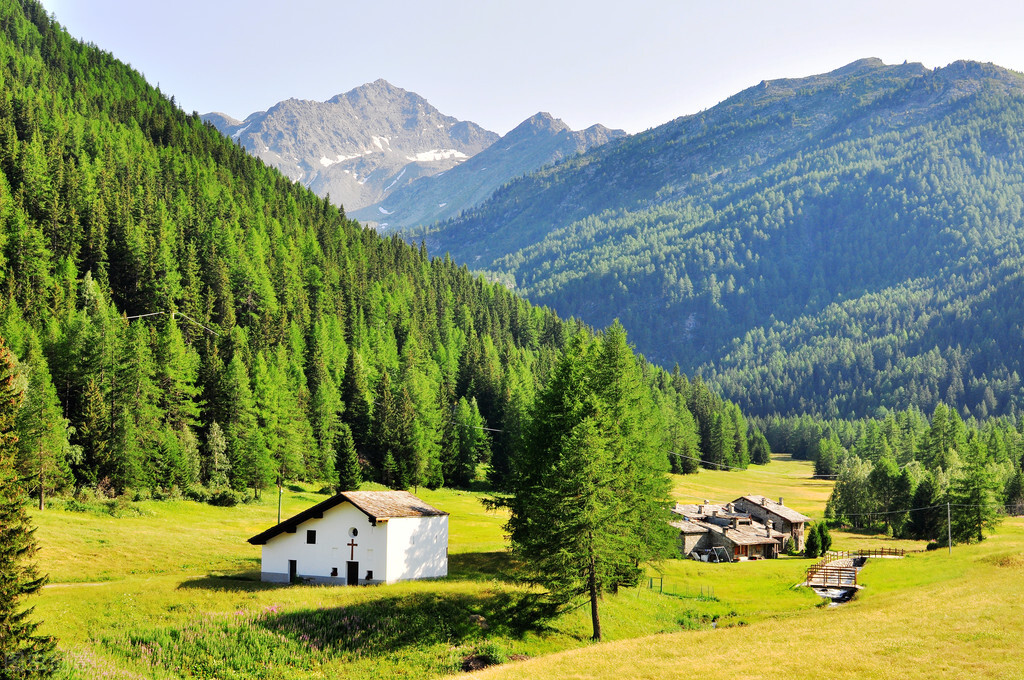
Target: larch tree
(588, 494)
(23, 654)
(974, 496)
(216, 461)
(683, 437)
(760, 450)
(45, 452)
(631, 426)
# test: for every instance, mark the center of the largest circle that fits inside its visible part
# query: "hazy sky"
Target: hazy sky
(630, 65)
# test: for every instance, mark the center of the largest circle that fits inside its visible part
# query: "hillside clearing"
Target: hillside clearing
(173, 592)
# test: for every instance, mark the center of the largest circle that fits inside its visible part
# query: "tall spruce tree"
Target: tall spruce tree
(357, 399)
(23, 654)
(349, 473)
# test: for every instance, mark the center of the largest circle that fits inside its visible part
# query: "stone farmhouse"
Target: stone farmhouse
(786, 520)
(358, 538)
(737, 530)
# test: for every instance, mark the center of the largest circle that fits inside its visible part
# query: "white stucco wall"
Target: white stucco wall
(331, 548)
(417, 548)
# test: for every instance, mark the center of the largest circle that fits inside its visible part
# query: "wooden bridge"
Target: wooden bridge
(840, 567)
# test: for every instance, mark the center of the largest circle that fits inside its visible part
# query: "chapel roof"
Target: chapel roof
(377, 505)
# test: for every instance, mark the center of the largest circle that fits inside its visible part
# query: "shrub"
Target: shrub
(824, 537)
(198, 494)
(122, 506)
(812, 548)
(225, 498)
(790, 546)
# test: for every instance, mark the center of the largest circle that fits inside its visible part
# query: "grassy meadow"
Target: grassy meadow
(170, 589)
(929, 615)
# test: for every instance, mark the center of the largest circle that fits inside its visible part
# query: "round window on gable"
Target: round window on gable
(353, 532)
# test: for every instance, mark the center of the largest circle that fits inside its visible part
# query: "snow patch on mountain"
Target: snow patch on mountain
(437, 155)
(395, 181)
(340, 158)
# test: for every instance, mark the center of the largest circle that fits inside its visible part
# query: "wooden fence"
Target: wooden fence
(826, 573)
(832, 576)
(871, 552)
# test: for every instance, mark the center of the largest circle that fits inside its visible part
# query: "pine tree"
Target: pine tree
(974, 495)
(409, 461)
(45, 452)
(740, 447)
(1013, 494)
(760, 450)
(23, 654)
(902, 500)
(683, 437)
(471, 444)
(830, 453)
(139, 427)
(426, 421)
(384, 430)
(251, 464)
(357, 399)
(924, 522)
(884, 481)
(217, 463)
(517, 401)
(716, 454)
(349, 472)
(279, 418)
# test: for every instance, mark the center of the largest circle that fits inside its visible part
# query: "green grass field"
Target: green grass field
(170, 590)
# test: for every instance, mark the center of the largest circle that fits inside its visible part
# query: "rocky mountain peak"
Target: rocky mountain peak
(359, 145)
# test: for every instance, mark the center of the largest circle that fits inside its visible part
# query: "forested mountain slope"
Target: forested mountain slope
(831, 244)
(185, 316)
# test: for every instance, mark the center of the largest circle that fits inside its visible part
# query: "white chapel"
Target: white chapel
(358, 538)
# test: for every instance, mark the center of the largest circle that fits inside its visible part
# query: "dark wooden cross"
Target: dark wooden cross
(352, 544)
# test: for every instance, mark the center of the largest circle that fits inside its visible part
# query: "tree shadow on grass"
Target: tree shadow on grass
(241, 581)
(389, 624)
(472, 566)
(481, 566)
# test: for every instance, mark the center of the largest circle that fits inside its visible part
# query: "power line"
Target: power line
(878, 513)
(731, 467)
(174, 315)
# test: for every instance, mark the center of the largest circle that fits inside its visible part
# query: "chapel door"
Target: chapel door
(352, 577)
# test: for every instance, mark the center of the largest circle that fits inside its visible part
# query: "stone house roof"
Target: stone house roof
(778, 509)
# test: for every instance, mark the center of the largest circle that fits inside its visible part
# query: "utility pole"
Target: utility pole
(949, 529)
(280, 493)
